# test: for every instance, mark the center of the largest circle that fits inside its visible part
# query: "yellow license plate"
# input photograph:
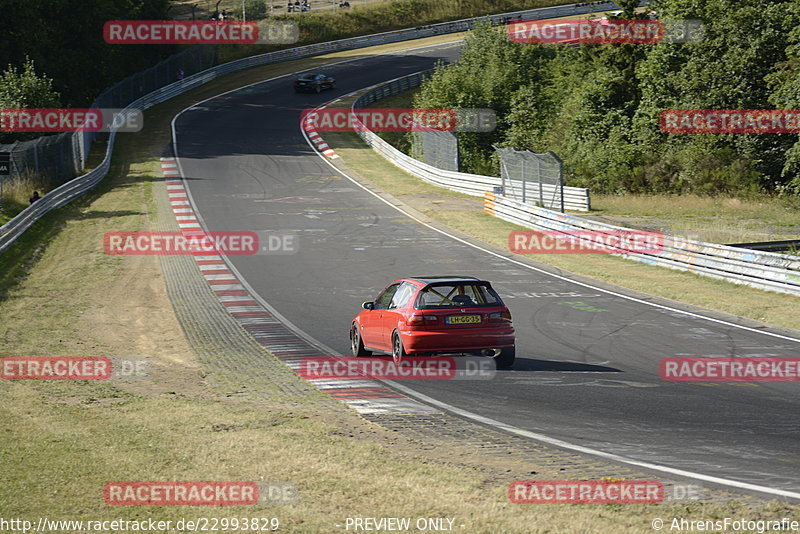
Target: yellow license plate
(463, 319)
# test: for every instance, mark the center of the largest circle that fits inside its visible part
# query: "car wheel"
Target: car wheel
(398, 351)
(356, 344)
(506, 357)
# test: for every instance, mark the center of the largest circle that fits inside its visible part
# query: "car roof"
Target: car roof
(443, 279)
(310, 75)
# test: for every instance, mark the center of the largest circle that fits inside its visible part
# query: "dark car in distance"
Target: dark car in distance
(313, 82)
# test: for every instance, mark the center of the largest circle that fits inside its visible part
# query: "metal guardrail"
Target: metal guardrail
(770, 246)
(575, 198)
(62, 195)
(763, 270)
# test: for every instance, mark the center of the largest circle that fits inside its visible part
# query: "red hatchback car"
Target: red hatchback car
(435, 315)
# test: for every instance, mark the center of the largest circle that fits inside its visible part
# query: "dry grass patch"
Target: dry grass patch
(61, 441)
(712, 219)
(63, 454)
(464, 213)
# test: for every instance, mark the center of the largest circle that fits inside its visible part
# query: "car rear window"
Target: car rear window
(307, 77)
(466, 295)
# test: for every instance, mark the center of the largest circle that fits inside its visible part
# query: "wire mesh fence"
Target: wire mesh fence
(188, 60)
(437, 148)
(57, 159)
(60, 158)
(54, 159)
(532, 178)
(176, 67)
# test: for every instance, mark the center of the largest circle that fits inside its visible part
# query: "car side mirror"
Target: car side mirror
(368, 305)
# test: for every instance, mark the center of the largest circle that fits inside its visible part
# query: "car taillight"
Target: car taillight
(419, 320)
(500, 317)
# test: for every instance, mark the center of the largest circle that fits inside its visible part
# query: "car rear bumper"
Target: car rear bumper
(418, 341)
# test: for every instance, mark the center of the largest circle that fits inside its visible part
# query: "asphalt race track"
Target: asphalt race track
(589, 378)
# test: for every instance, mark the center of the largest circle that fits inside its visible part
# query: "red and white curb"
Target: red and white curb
(315, 138)
(365, 396)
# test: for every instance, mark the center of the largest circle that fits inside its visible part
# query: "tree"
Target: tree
(598, 105)
(785, 86)
(25, 89)
(65, 39)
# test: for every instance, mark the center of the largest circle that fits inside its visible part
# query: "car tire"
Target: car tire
(357, 344)
(398, 351)
(506, 358)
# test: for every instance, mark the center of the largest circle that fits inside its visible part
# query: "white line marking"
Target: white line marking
(233, 298)
(213, 266)
(464, 413)
(226, 287)
(244, 309)
(227, 277)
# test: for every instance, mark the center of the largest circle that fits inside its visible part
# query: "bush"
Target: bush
(597, 106)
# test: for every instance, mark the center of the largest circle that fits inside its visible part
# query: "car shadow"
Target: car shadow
(529, 364)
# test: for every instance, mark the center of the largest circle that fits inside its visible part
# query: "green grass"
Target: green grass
(717, 219)
(464, 213)
(62, 441)
(182, 9)
(58, 452)
(402, 100)
(16, 194)
(714, 219)
(317, 27)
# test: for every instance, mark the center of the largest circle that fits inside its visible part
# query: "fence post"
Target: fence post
(561, 180)
(539, 177)
(36, 154)
(81, 159)
(11, 161)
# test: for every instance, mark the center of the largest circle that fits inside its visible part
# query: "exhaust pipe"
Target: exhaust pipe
(489, 352)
